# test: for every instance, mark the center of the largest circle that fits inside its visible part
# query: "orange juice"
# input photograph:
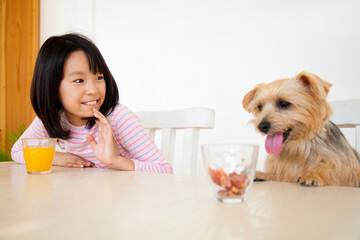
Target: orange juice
(39, 159)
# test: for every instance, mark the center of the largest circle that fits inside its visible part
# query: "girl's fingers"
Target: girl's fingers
(91, 140)
(72, 165)
(84, 163)
(75, 165)
(101, 120)
(105, 129)
(79, 163)
(89, 164)
(99, 116)
(101, 130)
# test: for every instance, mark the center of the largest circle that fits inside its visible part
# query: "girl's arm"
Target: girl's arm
(140, 154)
(65, 159)
(37, 130)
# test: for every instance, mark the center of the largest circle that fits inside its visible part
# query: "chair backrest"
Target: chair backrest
(189, 120)
(347, 115)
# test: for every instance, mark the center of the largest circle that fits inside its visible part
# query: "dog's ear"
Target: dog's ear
(248, 98)
(317, 86)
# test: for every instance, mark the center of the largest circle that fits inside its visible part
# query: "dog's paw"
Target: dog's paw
(259, 179)
(260, 176)
(310, 180)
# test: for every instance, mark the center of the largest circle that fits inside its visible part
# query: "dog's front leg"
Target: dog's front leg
(321, 174)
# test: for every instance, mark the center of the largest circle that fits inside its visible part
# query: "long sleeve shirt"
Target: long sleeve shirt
(131, 139)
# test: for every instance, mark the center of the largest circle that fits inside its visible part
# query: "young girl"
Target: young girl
(76, 99)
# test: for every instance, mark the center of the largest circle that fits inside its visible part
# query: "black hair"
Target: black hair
(48, 74)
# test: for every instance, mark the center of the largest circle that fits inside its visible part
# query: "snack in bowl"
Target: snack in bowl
(231, 170)
(233, 184)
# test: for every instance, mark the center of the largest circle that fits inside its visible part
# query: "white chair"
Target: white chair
(347, 115)
(189, 120)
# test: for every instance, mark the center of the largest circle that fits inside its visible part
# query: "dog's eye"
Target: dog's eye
(260, 107)
(283, 104)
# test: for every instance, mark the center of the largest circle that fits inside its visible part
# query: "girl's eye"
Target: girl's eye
(79, 80)
(100, 78)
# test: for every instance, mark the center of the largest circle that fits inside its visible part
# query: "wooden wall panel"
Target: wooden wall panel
(2, 69)
(19, 48)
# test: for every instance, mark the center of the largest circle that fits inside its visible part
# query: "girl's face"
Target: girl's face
(80, 90)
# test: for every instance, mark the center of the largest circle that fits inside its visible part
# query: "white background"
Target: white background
(206, 53)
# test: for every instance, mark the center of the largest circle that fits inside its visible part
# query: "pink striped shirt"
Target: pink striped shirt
(132, 141)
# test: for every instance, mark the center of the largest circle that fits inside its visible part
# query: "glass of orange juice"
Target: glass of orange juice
(39, 154)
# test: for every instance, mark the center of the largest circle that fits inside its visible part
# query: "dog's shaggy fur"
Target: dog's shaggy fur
(304, 145)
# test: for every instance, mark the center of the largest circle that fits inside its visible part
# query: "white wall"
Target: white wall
(188, 53)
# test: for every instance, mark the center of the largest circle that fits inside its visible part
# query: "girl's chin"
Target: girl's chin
(90, 115)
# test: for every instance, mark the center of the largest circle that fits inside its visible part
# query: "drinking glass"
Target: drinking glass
(231, 169)
(39, 154)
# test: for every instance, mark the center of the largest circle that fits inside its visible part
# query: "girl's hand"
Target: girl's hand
(106, 150)
(64, 159)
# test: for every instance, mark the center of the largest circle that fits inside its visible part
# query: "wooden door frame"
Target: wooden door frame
(19, 38)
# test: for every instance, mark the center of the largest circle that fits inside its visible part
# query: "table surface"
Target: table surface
(92, 203)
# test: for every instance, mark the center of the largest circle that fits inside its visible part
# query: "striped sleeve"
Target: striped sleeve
(136, 144)
(35, 130)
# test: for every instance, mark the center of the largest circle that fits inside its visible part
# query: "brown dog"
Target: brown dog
(304, 146)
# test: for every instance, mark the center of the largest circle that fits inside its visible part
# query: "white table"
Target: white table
(107, 204)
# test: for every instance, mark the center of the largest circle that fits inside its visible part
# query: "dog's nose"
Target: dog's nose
(264, 127)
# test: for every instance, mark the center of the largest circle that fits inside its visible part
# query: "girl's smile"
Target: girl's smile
(80, 90)
(91, 103)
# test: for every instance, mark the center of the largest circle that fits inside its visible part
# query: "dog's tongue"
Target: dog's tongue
(273, 143)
